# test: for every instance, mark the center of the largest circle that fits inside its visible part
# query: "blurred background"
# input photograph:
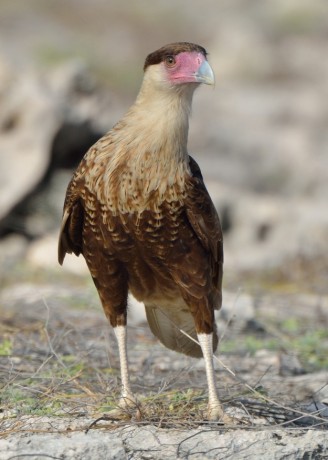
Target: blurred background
(69, 69)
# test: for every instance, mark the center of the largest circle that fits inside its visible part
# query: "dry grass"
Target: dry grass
(63, 365)
(59, 362)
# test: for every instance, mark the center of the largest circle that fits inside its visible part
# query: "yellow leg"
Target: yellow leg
(215, 410)
(127, 398)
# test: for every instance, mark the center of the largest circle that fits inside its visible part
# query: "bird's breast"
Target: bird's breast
(141, 203)
(138, 189)
(130, 177)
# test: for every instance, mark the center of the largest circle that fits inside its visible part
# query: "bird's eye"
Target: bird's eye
(170, 61)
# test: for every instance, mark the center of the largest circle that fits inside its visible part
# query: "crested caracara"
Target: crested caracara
(138, 211)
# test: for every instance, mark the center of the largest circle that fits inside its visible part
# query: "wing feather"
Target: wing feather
(70, 235)
(205, 222)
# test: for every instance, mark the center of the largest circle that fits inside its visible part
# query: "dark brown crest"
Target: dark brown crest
(172, 50)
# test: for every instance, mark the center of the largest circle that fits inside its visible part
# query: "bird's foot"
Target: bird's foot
(216, 413)
(128, 400)
(129, 406)
(126, 409)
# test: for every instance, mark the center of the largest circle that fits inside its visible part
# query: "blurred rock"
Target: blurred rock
(42, 253)
(264, 230)
(28, 121)
(12, 251)
(45, 125)
(267, 139)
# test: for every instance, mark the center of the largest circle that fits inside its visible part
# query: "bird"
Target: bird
(138, 211)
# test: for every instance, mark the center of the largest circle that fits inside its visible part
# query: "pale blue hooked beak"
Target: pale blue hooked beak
(205, 74)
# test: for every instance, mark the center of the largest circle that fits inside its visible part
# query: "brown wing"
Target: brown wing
(205, 222)
(70, 236)
(195, 265)
(71, 231)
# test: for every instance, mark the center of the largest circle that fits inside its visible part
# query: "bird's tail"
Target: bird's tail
(167, 323)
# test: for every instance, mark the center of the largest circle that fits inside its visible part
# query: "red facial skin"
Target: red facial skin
(183, 67)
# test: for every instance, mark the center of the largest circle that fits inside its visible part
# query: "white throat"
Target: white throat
(151, 157)
(159, 119)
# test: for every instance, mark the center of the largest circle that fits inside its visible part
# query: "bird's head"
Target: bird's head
(163, 105)
(178, 64)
